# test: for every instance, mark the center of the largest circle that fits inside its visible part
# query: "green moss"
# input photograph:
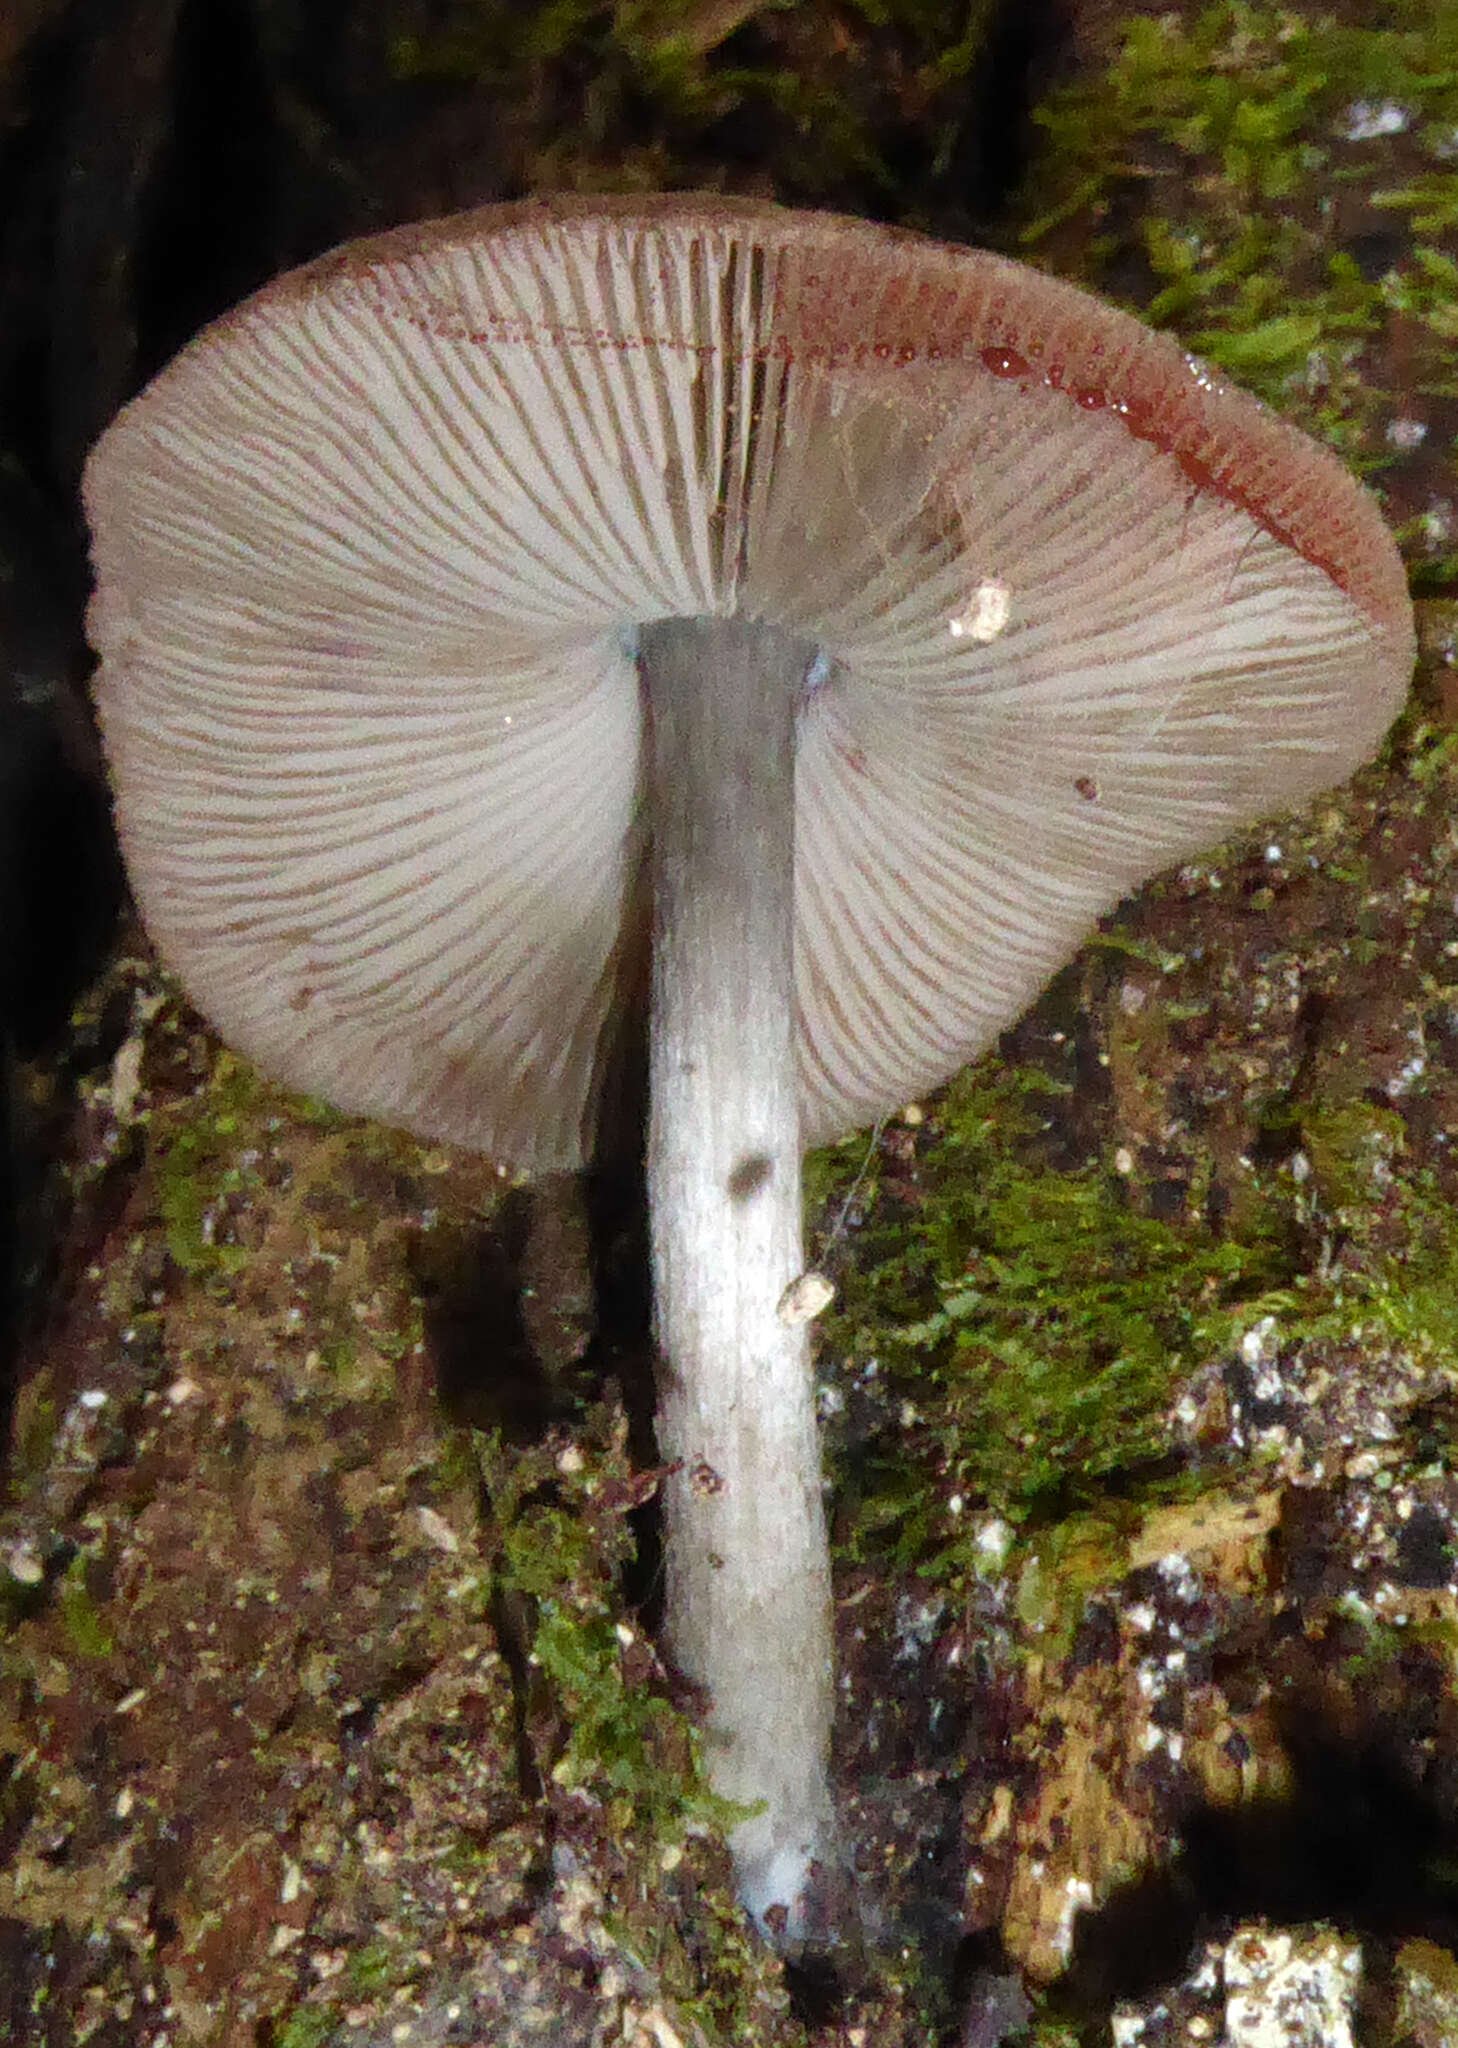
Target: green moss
(865, 109)
(559, 1536)
(1230, 160)
(1407, 1290)
(1427, 1982)
(308, 2026)
(1052, 2033)
(379, 1966)
(33, 1433)
(337, 1355)
(86, 1631)
(1352, 1148)
(1065, 1564)
(196, 1165)
(1027, 1324)
(1386, 1648)
(1022, 1328)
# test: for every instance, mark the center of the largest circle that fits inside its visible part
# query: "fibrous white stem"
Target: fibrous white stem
(747, 1568)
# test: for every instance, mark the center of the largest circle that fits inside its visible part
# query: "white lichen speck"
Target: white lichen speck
(1287, 1990)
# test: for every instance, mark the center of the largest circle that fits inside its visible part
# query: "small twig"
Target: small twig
(837, 1229)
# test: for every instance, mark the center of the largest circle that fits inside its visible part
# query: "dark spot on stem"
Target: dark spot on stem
(749, 1175)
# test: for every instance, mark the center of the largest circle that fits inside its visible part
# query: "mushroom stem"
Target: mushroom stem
(748, 1578)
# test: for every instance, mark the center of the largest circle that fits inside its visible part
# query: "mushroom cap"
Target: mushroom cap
(371, 555)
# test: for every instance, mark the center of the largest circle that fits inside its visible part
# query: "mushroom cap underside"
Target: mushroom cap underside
(372, 553)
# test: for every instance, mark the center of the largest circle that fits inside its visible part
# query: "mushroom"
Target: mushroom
(867, 615)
